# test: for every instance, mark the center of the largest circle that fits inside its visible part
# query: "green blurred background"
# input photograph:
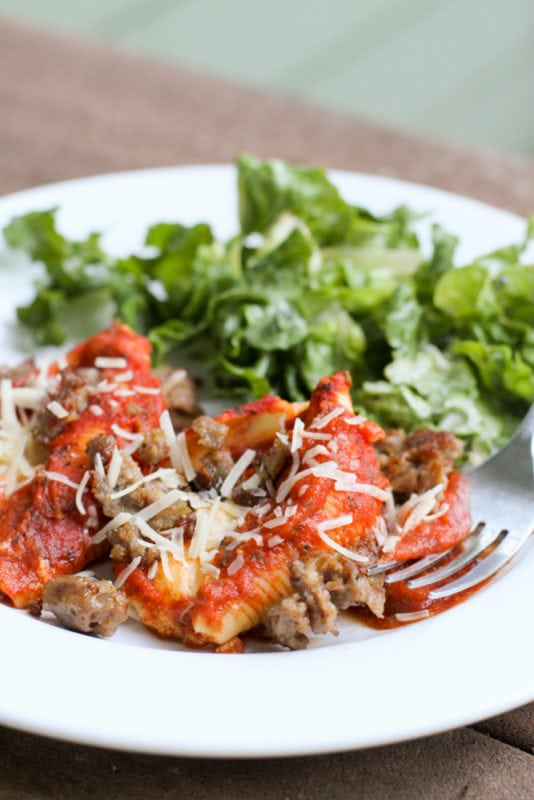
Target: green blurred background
(457, 69)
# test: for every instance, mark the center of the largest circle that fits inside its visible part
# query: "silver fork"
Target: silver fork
(502, 506)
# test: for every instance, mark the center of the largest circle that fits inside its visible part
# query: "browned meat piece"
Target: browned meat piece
(248, 497)
(323, 584)
(416, 462)
(179, 391)
(132, 501)
(103, 444)
(214, 467)
(287, 623)
(154, 448)
(129, 474)
(127, 541)
(310, 586)
(177, 515)
(210, 432)
(76, 388)
(348, 586)
(86, 604)
(275, 458)
(127, 544)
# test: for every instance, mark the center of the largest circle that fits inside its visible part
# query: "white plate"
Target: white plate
(361, 689)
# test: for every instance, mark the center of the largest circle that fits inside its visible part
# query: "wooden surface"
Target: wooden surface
(459, 68)
(72, 109)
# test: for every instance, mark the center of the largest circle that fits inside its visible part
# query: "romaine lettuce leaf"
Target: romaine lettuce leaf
(269, 188)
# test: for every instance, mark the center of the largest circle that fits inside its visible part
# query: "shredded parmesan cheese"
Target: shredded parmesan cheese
(163, 543)
(356, 420)
(246, 536)
(165, 564)
(325, 437)
(313, 452)
(286, 486)
(106, 386)
(152, 571)
(274, 522)
(187, 465)
(27, 396)
(124, 434)
(165, 423)
(124, 377)
(296, 437)
(418, 508)
(344, 551)
(6, 397)
(243, 462)
(363, 488)
(114, 468)
(146, 389)
(80, 490)
(99, 465)
(116, 522)
(337, 522)
(60, 478)
(160, 504)
(390, 543)
(159, 474)
(236, 564)
(127, 571)
(103, 362)
(16, 442)
(57, 409)
(322, 422)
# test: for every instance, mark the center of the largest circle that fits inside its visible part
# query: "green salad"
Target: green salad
(308, 285)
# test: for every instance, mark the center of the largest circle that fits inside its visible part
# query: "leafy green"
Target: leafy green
(308, 285)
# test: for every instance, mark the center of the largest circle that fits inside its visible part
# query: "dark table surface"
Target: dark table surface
(71, 108)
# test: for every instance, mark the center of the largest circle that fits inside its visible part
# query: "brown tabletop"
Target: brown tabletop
(71, 109)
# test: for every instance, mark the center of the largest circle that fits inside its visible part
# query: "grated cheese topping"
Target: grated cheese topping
(17, 464)
(126, 572)
(296, 436)
(114, 467)
(242, 464)
(236, 564)
(124, 434)
(187, 465)
(418, 508)
(28, 397)
(166, 426)
(57, 409)
(104, 362)
(344, 551)
(60, 478)
(80, 490)
(337, 522)
(324, 420)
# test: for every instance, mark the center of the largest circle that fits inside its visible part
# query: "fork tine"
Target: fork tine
(484, 539)
(413, 566)
(497, 559)
(416, 567)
